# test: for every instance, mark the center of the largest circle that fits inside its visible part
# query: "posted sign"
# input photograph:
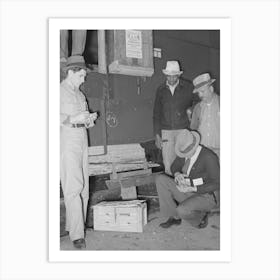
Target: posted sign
(133, 44)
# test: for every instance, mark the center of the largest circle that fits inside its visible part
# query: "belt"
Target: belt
(77, 125)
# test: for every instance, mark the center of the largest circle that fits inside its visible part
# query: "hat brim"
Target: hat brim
(169, 73)
(196, 89)
(185, 155)
(76, 65)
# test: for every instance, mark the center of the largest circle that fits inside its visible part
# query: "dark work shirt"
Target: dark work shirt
(170, 111)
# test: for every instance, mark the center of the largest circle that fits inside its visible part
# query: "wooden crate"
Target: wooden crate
(119, 158)
(127, 216)
(131, 52)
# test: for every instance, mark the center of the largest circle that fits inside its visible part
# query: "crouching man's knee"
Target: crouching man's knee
(183, 212)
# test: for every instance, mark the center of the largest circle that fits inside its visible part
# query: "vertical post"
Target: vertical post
(102, 63)
(114, 171)
(102, 68)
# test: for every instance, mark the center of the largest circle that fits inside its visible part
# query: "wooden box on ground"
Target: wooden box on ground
(128, 216)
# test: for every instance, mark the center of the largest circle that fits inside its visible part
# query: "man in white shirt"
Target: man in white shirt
(74, 121)
(206, 114)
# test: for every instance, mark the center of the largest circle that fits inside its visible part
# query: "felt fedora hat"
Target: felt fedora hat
(172, 68)
(75, 61)
(201, 81)
(186, 143)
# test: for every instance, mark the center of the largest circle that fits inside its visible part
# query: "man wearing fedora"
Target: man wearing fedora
(170, 115)
(74, 120)
(206, 114)
(194, 188)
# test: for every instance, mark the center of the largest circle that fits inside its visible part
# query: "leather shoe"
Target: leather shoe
(204, 221)
(79, 243)
(170, 222)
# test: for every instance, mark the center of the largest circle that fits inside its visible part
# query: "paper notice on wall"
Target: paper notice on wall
(133, 43)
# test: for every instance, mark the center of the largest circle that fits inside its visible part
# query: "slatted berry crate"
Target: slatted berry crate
(127, 216)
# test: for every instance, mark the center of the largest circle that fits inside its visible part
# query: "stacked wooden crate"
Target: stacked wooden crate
(131, 52)
(119, 158)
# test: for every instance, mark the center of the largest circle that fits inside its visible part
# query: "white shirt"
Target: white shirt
(193, 159)
(209, 127)
(172, 88)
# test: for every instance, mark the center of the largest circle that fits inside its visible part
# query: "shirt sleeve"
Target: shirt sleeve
(64, 116)
(212, 167)
(157, 114)
(195, 117)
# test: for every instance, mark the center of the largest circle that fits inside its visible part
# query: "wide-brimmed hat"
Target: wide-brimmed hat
(172, 68)
(201, 81)
(186, 143)
(75, 61)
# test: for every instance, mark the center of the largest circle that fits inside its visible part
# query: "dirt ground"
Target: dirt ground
(182, 237)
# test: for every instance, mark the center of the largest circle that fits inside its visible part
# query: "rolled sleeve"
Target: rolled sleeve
(195, 117)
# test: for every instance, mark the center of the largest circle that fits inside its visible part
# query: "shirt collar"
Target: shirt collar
(193, 159)
(195, 155)
(174, 85)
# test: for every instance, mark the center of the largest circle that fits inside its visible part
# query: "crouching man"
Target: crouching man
(195, 188)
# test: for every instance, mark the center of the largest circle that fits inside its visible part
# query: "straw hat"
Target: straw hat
(186, 143)
(202, 80)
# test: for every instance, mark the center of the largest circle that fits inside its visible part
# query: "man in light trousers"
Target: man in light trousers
(74, 121)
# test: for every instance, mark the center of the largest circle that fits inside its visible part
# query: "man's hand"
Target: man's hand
(80, 117)
(90, 120)
(93, 116)
(182, 185)
(179, 178)
(158, 142)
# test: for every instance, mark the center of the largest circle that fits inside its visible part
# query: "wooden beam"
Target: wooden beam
(131, 173)
(116, 153)
(131, 181)
(102, 63)
(106, 168)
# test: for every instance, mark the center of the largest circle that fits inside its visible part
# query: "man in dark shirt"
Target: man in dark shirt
(195, 188)
(170, 115)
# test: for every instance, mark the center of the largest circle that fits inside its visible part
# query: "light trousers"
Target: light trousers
(168, 147)
(74, 178)
(78, 42)
(188, 206)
